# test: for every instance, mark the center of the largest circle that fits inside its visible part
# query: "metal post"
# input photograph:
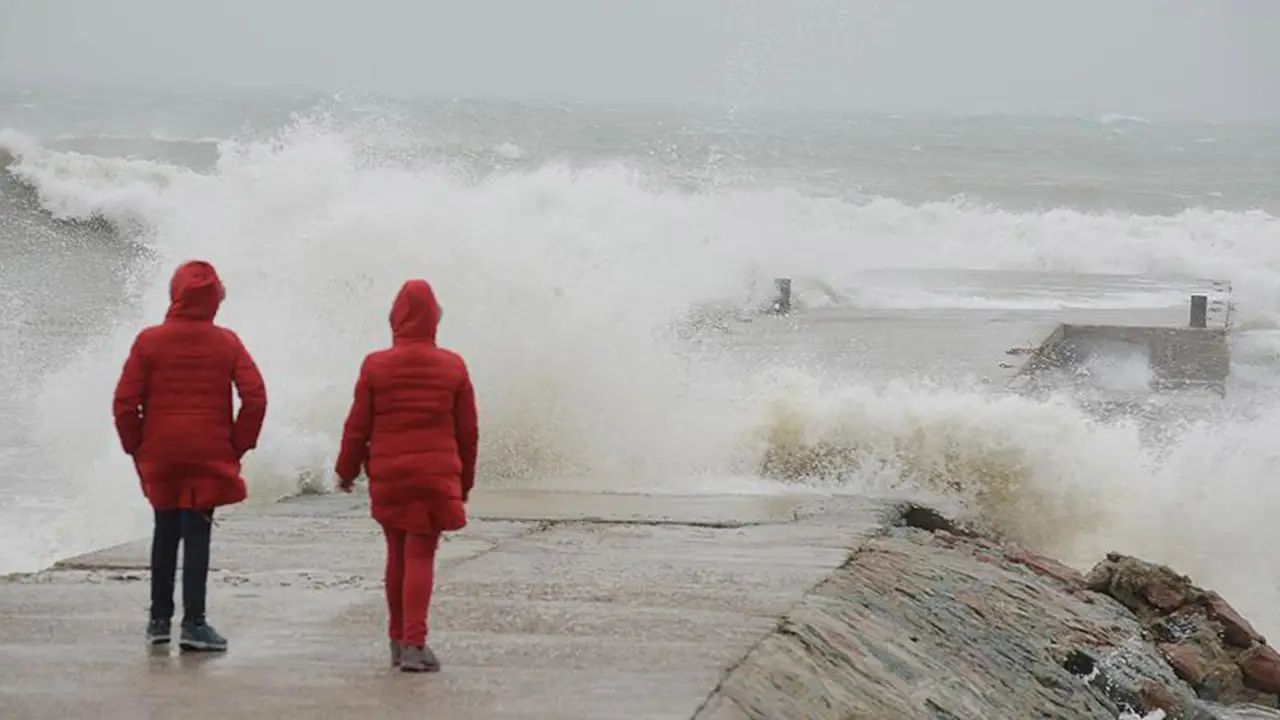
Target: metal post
(782, 304)
(1199, 311)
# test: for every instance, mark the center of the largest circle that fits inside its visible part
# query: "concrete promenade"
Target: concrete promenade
(550, 605)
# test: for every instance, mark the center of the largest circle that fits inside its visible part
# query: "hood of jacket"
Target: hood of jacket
(415, 314)
(195, 292)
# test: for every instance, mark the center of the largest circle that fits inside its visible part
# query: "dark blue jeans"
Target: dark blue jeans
(193, 529)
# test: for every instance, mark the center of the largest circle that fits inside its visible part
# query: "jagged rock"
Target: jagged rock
(1141, 586)
(926, 518)
(1186, 662)
(1223, 681)
(1260, 665)
(1048, 566)
(1158, 697)
(945, 539)
(1176, 627)
(1207, 643)
(1235, 629)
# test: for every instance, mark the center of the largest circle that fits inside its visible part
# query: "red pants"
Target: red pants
(411, 564)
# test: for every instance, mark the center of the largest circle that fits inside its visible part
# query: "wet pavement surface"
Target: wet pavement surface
(582, 606)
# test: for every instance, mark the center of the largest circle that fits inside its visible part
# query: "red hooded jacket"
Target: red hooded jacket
(172, 404)
(412, 425)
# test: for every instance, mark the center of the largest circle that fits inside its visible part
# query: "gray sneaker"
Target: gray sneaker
(200, 637)
(159, 632)
(418, 659)
(395, 654)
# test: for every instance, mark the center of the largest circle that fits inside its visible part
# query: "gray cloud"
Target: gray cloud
(1214, 59)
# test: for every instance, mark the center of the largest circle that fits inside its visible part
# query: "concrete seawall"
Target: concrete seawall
(555, 605)
(1177, 358)
(1023, 332)
(550, 606)
(922, 624)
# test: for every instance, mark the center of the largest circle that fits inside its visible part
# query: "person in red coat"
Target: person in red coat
(173, 414)
(412, 430)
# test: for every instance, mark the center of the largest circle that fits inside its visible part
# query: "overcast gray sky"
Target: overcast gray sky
(1216, 59)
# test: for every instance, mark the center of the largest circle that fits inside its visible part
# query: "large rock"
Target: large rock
(1235, 629)
(1206, 641)
(1146, 589)
(1261, 668)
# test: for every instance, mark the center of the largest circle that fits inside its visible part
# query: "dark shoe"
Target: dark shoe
(418, 659)
(395, 653)
(201, 637)
(159, 632)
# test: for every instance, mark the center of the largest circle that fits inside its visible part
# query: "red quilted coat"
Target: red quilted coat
(172, 404)
(412, 424)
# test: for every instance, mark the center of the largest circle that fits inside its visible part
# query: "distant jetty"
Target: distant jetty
(1187, 353)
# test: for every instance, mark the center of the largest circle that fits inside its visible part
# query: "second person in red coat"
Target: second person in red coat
(412, 429)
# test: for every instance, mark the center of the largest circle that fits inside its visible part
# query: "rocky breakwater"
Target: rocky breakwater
(1206, 642)
(929, 620)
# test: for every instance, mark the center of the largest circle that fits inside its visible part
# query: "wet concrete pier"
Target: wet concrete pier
(550, 605)
(1024, 332)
